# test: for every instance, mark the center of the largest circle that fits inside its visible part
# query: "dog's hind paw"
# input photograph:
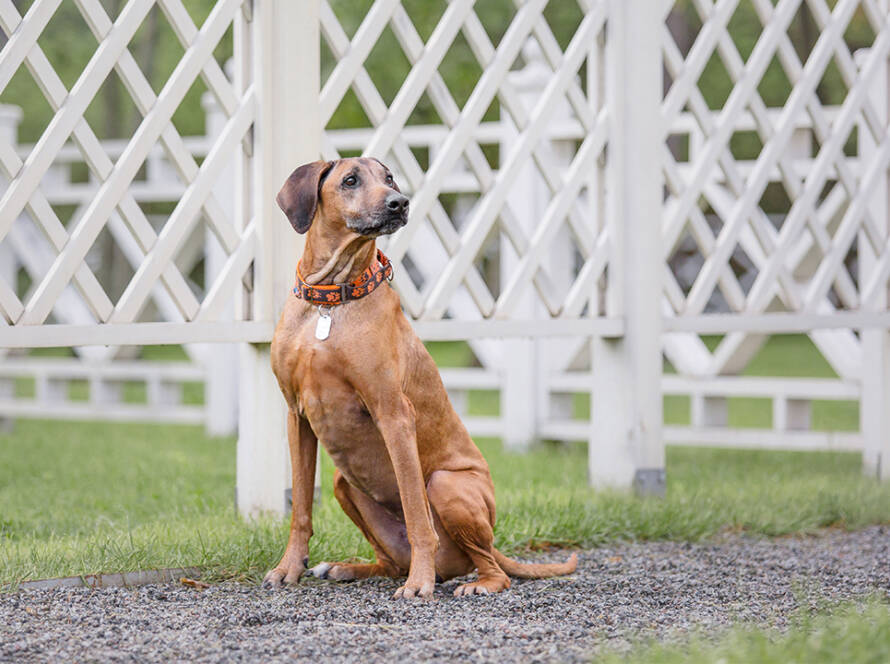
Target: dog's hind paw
(484, 586)
(321, 570)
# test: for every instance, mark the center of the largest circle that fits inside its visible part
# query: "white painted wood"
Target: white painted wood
(105, 393)
(874, 408)
(26, 246)
(127, 165)
(73, 410)
(221, 361)
(184, 216)
(50, 391)
(470, 378)
(71, 112)
(430, 255)
(451, 330)
(139, 334)
(798, 216)
(526, 363)
(285, 69)
(777, 323)
(766, 439)
(477, 228)
(423, 70)
(761, 386)
(22, 40)
(251, 258)
(118, 370)
(626, 404)
(95, 297)
(144, 97)
(798, 415)
(714, 411)
(10, 116)
(472, 113)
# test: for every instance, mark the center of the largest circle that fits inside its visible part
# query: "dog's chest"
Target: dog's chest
(348, 433)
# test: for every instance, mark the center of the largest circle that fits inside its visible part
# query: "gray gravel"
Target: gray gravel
(619, 593)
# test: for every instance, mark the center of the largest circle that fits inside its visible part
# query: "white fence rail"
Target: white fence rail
(70, 388)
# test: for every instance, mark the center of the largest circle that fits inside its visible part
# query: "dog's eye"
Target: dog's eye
(389, 179)
(350, 181)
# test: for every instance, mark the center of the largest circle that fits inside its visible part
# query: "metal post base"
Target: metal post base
(650, 482)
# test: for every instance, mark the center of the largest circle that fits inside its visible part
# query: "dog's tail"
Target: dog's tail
(535, 570)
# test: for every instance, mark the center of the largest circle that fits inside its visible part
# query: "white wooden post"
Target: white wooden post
(10, 116)
(284, 37)
(874, 405)
(528, 363)
(709, 411)
(221, 382)
(626, 447)
(519, 358)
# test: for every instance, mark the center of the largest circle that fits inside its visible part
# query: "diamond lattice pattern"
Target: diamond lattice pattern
(504, 172)
(776, 163)
(155, 195)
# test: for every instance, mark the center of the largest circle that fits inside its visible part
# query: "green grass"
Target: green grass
(92, 497)
(80, 498)
(849, 633)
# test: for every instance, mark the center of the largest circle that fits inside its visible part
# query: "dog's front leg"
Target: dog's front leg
(395, 420)
(303, 451)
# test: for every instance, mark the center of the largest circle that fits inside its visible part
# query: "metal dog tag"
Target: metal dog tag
(323, 326)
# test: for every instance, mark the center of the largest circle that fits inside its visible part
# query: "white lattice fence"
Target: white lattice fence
(556, 211)
(812, 258)
(113, 204)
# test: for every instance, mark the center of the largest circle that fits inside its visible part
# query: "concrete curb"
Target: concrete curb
(120, 580)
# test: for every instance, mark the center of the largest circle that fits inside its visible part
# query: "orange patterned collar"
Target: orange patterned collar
(330, 295)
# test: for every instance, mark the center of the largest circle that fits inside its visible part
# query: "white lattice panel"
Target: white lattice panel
(470, 249)
(775, 205)
(116, 180)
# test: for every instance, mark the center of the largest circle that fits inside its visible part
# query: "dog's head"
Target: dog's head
(357, 193)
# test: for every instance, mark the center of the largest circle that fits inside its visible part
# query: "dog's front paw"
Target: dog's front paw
(288, 571)
(416, 588)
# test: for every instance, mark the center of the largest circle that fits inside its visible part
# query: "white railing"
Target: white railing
(75, 389)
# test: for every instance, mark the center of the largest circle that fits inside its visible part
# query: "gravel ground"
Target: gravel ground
(619, 593)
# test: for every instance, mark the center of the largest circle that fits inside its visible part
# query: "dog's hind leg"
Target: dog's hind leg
(463, 501)
(384, 530)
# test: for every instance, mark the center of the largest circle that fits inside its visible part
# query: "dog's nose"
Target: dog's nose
(397, 202)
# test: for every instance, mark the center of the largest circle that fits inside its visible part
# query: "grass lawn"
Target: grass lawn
(848, 633)
(98, 497)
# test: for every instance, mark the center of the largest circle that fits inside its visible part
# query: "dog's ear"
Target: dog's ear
(298, 198)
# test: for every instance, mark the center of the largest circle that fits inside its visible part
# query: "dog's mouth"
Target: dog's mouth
(381, 224)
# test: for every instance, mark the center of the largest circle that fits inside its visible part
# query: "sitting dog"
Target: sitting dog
(356, 377)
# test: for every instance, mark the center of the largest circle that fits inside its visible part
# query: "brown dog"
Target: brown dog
(408, 474)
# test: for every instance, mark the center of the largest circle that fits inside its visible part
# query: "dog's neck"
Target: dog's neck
(329, 259)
